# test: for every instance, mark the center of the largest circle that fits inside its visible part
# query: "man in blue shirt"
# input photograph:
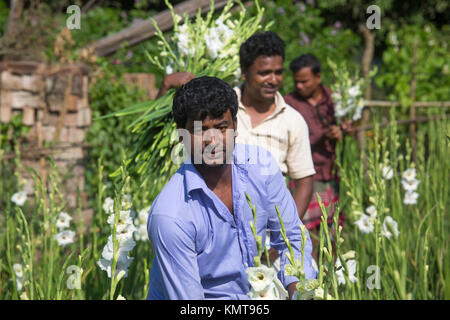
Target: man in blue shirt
(199, 225)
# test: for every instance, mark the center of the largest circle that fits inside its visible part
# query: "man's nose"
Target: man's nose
(272, 78)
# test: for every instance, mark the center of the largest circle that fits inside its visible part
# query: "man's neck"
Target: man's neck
(258, 104)
(215, 177)
(316, 96)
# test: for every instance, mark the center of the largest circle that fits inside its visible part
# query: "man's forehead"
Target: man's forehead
(264, 60)
(304, 72)
(209, 119)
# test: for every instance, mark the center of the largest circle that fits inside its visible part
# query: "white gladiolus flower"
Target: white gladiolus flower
(213, 45)
(122, 264)
(365, 224)
(123, 261)
(125, 231)
(18, 270)
(185, 47)
(216, 38)
(108, 205)
(351, 265)
(124, 246)
(63, 220)
(65, 237)
(19, 198)
(318, 294)
(358, 111)
(169, 69)
(354, 91)
(269, 293)
(410, 185)
(349, 255)
(410, 197)
(306, 289)
(388, 225)
(387, 172)
(260, 277)
(126, 202)
(141, 233)
(19, 284)
(141, 225)
(124, 218)
(409, 174)
(372, 212)
(142, 217)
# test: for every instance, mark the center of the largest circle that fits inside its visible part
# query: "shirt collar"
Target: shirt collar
(326, 97)
(193, 180)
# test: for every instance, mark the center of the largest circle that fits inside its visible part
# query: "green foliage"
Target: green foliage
(107, 137)
(305, 30)
(432, 68)
(4, 11)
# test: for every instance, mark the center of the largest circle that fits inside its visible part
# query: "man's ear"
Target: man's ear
(244, 74)
(319, 77)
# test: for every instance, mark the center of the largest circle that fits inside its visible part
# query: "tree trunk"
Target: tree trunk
(14, 18)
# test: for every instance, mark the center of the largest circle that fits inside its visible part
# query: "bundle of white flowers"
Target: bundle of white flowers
(115, 253)
(410, 184)
(347, 93)
(19, 198)
(64, 236)
(203, 47)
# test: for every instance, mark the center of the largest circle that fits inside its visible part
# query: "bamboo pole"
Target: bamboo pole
(405, 121)
(137, 33)
(417, 104)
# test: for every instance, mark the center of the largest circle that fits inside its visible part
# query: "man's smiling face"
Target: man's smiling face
(264, 77)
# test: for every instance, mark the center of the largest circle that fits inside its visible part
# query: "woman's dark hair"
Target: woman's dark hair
(201, 97)
(305, 61)
(260, 44)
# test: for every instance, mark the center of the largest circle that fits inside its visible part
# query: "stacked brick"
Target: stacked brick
(53, 101)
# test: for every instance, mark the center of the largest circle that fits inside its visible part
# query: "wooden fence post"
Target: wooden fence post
(412, 110)
(366, 61)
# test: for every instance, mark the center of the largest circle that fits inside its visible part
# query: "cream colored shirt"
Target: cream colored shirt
(284, 133)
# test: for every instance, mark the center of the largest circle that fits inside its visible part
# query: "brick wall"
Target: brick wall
(53, 101)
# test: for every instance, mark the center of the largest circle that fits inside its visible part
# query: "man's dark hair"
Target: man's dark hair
(201, 97)
(305, 61)
(260, 44)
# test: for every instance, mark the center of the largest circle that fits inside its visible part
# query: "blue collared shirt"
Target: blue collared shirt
(200, 249)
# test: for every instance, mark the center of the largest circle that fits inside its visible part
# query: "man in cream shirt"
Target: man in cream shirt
(265, 119)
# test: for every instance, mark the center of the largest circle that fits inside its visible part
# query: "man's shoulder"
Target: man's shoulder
(293, 118)
(256, 160)
(171, 200)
